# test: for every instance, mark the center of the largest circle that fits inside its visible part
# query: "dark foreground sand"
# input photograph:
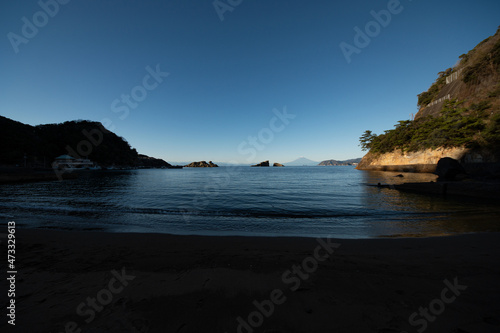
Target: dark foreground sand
(165, 283)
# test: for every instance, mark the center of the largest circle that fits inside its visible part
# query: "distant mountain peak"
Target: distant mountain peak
(301, 161)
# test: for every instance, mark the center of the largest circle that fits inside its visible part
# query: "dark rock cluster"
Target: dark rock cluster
(202, 164)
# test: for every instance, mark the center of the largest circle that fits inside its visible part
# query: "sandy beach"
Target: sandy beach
(104, 282)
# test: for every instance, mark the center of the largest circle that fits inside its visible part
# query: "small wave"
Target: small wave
(282, 214)
(52, 210)
(228, 213)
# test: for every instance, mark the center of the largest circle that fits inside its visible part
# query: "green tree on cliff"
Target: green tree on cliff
(366, 140)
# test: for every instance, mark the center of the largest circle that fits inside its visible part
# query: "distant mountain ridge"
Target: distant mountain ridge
(335, 162)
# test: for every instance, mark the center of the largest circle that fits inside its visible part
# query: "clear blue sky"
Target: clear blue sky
(226, 77)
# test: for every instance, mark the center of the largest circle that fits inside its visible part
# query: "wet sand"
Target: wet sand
(103, 282)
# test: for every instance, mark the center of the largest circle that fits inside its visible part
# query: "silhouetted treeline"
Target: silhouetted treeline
(81, 139)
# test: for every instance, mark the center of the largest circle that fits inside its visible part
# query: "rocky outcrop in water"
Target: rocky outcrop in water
(201, 164)
(278, 165)
(262, 164)
(449, 169)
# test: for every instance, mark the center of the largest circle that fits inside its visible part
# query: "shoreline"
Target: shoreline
(269, 236)
(205, 283)
(413, 168)
(475, 189)
(457, 189)
(28, 175)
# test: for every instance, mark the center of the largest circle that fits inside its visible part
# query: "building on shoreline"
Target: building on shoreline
(66, 162)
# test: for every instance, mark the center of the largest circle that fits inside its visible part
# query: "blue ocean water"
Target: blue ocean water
(289, 201)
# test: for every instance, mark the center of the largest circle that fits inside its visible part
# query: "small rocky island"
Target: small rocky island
(278, 165)
(202, 164)
(262, 164)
